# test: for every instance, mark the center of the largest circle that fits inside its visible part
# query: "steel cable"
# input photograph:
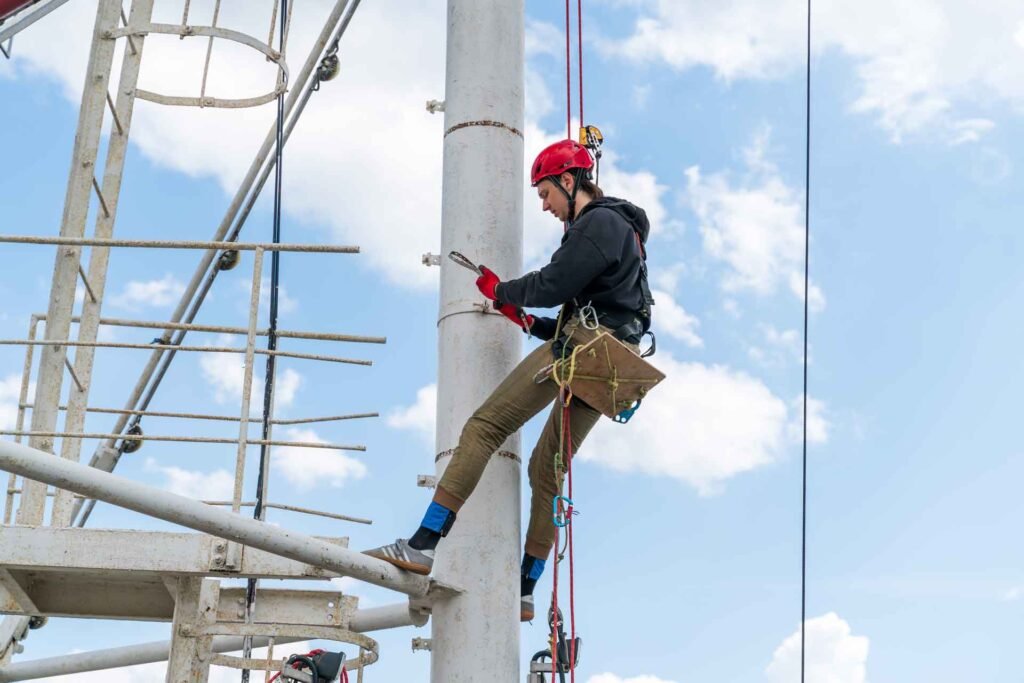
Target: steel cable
(807, 278)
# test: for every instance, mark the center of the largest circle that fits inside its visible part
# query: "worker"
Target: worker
(598, 272)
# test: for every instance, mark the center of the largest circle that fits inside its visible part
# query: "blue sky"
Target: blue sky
(688, 537)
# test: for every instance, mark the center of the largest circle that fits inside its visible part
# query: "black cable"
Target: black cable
(268, 383)
(807, 278)
(308, 661)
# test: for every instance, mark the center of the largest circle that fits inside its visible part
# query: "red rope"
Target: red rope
(568, 76)
(579, 45)
(572, 587)
(554, 611)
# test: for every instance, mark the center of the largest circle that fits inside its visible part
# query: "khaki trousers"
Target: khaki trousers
(517, 399)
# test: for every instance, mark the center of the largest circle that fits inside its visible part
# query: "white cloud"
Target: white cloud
(138, 295)
(703, 425)
(833, 655)
(754, 225)
(778, 346)
(970, 130)
(990, 166)
(817, 297)
(216, 485)
(817, 423)
(1014, 594)
(225, 373)
(674, 321)
(285, 303)
(612, 678)
(543, 38)
(377, 183)
(539, 100)
(666, 278)
(916, 62)
(420, 417)
(641, 95)
(312, 467)
(10, 392)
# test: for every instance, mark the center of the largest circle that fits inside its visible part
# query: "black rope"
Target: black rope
(268, 384)
(807, 279)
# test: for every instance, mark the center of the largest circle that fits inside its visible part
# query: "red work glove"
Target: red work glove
(517, 316)
(487, 282)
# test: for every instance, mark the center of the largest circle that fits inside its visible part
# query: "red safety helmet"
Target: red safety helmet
(556, 159)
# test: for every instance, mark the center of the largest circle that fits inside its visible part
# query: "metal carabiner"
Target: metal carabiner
(588, 317)
(561, 520)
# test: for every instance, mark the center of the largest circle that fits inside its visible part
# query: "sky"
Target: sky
(688, 538)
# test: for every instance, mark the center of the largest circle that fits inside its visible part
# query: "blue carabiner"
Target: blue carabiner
(561, 521)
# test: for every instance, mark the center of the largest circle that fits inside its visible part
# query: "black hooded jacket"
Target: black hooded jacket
(600, 262)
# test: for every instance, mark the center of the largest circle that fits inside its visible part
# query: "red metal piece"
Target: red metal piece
(9, 7)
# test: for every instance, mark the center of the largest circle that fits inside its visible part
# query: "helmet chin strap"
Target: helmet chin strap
(571, 197)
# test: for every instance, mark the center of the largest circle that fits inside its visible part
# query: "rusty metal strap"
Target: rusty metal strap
(492, 124)
(504, 454)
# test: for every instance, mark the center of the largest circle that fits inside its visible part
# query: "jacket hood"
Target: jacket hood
(631, 213)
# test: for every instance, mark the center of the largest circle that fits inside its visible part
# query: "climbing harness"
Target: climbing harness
(604, 373)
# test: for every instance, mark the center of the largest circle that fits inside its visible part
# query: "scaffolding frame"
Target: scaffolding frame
(177, 579)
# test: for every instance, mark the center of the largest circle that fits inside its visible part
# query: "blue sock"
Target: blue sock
(436, 523)
(532, 569)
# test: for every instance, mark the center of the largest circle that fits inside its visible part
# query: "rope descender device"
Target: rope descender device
(591, 138)
(627, 414)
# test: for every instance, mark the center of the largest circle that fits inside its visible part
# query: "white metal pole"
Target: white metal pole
(475, 636)
(190, 513)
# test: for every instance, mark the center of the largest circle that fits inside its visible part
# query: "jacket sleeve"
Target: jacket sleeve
(543, 328)
(573, 266)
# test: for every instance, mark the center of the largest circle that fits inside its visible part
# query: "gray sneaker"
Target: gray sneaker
(404, 557)
(526, 608)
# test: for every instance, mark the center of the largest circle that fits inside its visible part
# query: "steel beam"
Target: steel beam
(115, 658)
(130, 552)
(170, 507)
(65, 271)
(99, 258)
